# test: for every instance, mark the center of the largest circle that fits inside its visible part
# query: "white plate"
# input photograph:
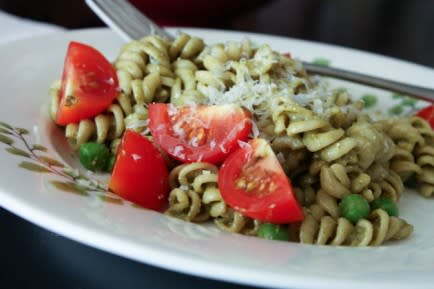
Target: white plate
(29, 66)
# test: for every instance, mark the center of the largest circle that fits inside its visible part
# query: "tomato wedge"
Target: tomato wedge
(140, 174)
(89, 84)
(205, 133)
(252, 182)
(427, 113)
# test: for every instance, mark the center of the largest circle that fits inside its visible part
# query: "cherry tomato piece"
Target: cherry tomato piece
(427, 113)
(252, 182)
(89, 84)
(139, 173)
(199, 133)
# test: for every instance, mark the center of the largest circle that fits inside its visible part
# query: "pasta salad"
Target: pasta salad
(241, 136)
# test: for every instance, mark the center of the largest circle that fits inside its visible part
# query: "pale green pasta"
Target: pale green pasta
(194, 197)
(189, 184)
(326, 145)
(322, 229)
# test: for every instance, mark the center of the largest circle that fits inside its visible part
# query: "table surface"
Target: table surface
(32, 257)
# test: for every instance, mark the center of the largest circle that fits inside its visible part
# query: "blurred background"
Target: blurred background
(398, 28)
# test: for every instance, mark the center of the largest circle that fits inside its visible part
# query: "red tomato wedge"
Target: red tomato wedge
(427, 113)
(252, 182)
(89, 84)
(206, 133)
(140, 174)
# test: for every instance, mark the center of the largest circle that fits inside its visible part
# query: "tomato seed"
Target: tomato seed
(241, 183)
(251, 186)
(70, 100)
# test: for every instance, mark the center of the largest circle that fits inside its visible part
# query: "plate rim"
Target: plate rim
(58, 225)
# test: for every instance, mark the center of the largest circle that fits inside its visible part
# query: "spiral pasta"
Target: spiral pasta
(195, 197)
(325, 144)
(415, 140)
(321, 229)
(235, 222)
(185, 46)
(425, 159)
(190, 183)
(424, 156)
(404, 164)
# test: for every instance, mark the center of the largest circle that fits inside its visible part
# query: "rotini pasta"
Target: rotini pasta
(195, 197)
(327, 146)
(104, 127)
(322, 229)
(190, 183)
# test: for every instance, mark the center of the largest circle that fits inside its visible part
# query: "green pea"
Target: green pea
(397, 96)
(321, 61)
(94, 156)
(273, 232)
(396, 110)
(354, 207)
(369, 100)
(386, 204)
(408, 101)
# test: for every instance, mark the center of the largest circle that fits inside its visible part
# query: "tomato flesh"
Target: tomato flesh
(252, 182)
(140, 174)
(89, 84)
(200, 132)
(427, 113)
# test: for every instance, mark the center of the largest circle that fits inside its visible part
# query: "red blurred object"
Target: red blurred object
(195, 12)
(427, 113)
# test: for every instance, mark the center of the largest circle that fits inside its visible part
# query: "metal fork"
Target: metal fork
(131, 24)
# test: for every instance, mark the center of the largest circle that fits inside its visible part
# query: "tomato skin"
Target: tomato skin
(276, 202)
(89, 84)
(220, 126)
(140, 174)
(427, 113)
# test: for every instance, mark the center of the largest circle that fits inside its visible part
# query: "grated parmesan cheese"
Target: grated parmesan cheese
(260, 96)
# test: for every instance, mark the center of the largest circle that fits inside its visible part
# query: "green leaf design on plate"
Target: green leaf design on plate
(6, 140)
(408, 101)
(21, 130)
(396, 110)
(4, 130)
(19, 152)
(33, 167)
(73, 173)
(72, 181)
(369, 100)
(3, 124)
(397, 96)
(69, 187)
(321, 61)
(111, 199)
(38, 147)
(52, 162)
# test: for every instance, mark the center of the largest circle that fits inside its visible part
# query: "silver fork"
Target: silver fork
(131, 24)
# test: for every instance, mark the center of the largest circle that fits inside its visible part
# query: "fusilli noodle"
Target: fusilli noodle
(326, 145)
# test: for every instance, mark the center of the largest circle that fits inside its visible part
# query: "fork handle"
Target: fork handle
(131, 23)
(423, 93)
